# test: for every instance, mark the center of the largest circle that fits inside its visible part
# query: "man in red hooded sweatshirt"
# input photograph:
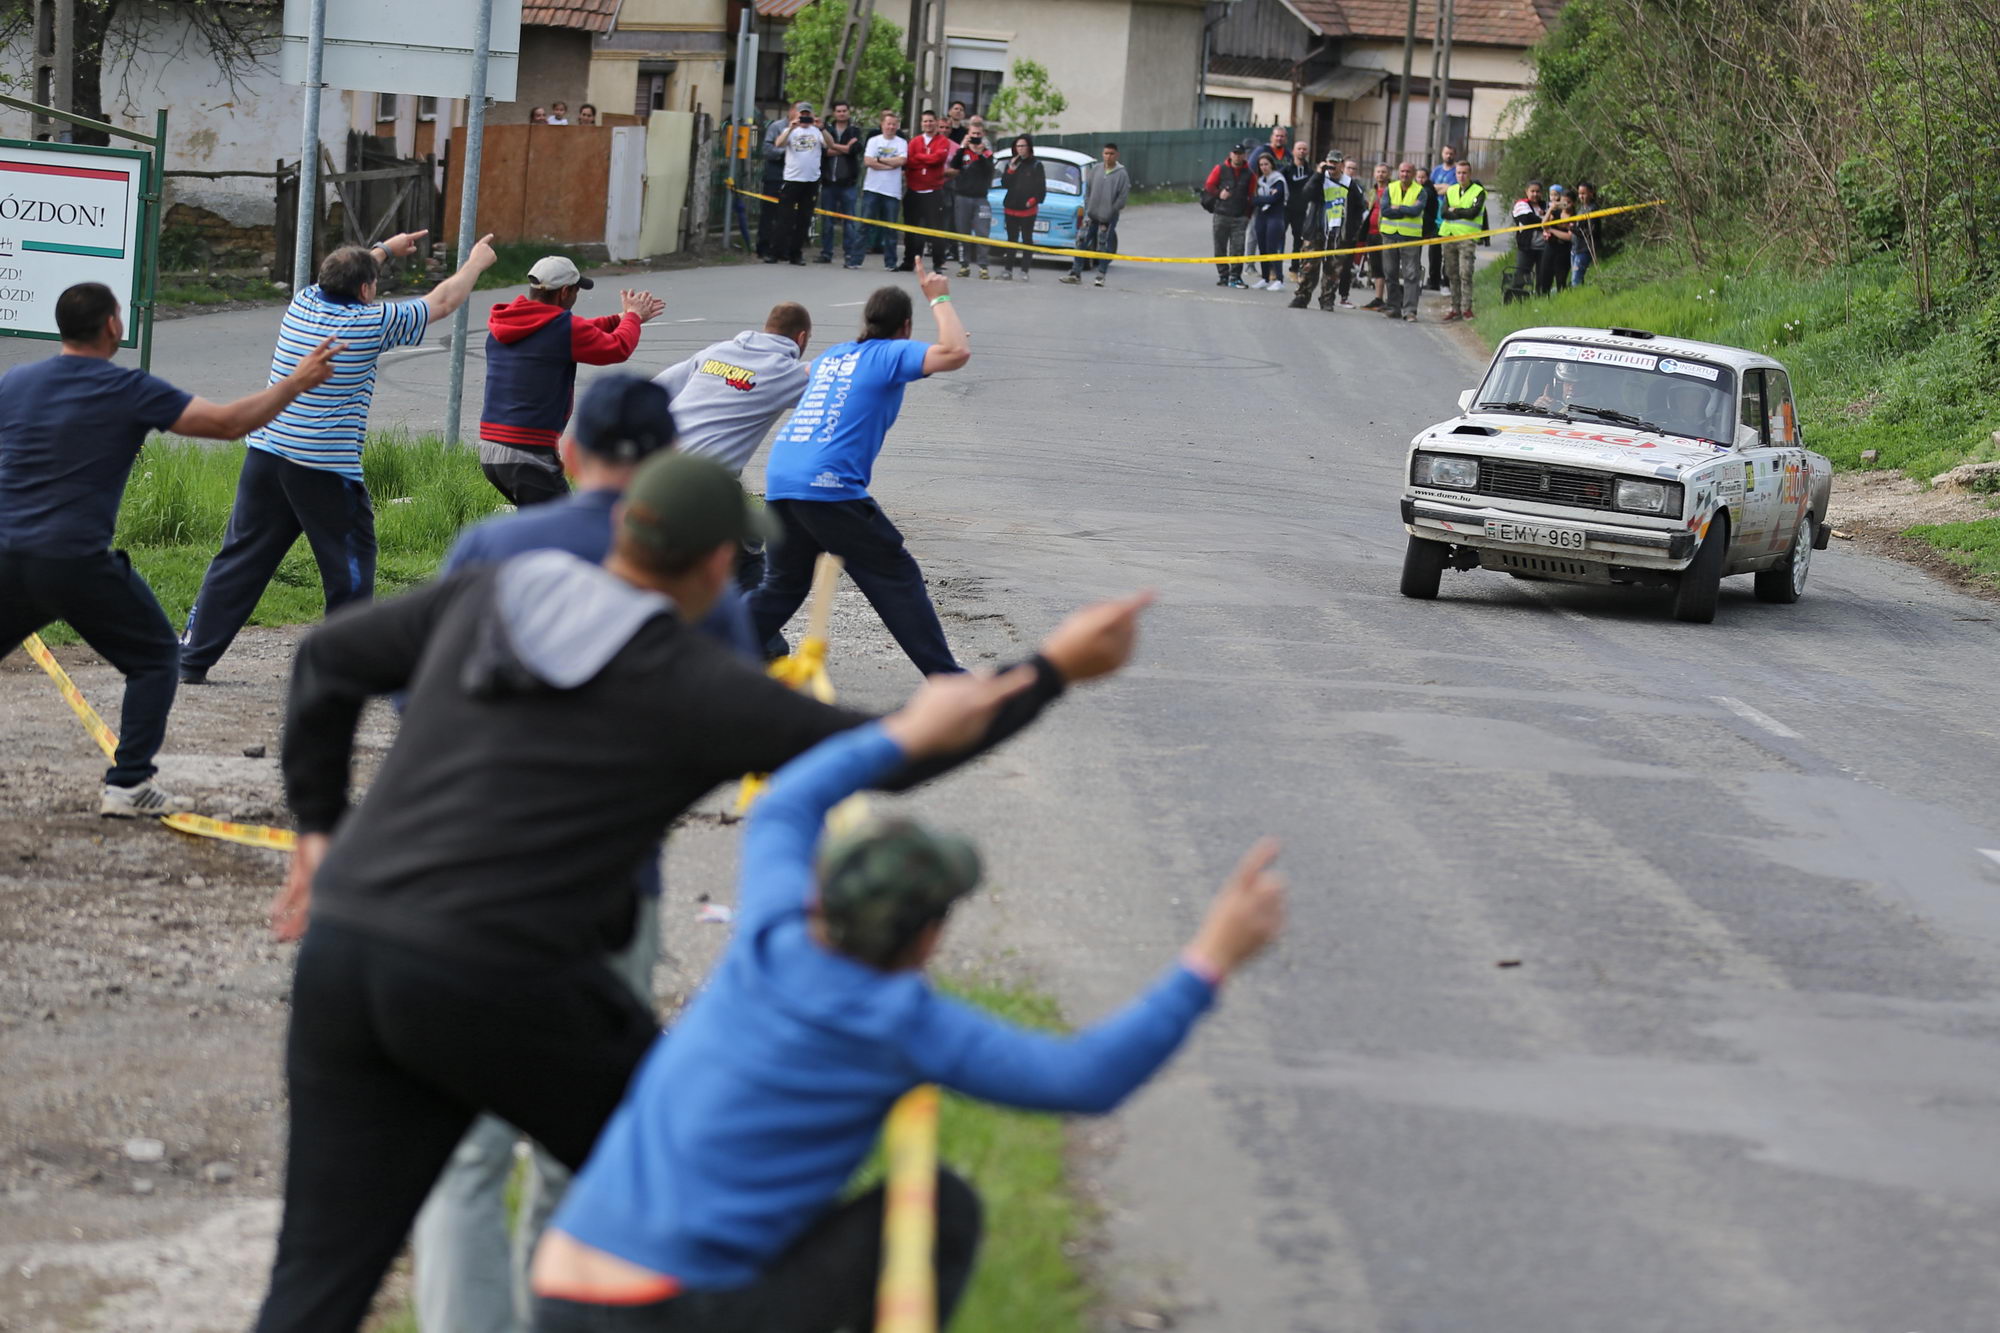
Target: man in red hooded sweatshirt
(533, 347)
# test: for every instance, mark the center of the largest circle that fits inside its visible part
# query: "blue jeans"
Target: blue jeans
(839, 199)
(879, 208)
(1095, 235)
(881, 566)
(1580, 261)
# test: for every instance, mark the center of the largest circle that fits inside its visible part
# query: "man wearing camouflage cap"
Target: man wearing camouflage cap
(722, 1210)
(560, 716)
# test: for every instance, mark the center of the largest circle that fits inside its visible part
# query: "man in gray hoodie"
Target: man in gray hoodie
(1106, 187)
(727, 396)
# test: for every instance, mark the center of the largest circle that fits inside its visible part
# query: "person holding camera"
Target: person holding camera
(1335, 211)
(805, 149)
(971, 171)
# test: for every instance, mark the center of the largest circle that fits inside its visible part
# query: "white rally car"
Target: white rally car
(1617, 456)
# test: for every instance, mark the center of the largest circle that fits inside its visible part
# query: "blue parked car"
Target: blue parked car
(1061, 213)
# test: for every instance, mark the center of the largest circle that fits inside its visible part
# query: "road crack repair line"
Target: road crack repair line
(1756, 717)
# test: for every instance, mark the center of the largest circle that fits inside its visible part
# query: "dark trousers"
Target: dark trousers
(527, 483)
(931, 209)
(391, 1053)
(1328, 275)
(276, 500)
(795, 220)
(111, 609)
(1023, 230)
(768, 212)
(1270, 240)
(1228, 233)
(1551, 267)
(825, 1282)
(881, 566)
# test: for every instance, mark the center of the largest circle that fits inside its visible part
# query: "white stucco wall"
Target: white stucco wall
(1081, 42)
(211, 126)
(1469, 64)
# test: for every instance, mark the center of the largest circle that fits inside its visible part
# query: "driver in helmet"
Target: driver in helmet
(1564, 388)
(1688, 411)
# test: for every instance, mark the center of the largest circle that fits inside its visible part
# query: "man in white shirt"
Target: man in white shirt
(882, 190)
(803, 146)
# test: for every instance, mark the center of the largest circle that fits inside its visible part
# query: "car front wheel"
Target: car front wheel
(1423, 567)
(1786, 583)
(1701, 581)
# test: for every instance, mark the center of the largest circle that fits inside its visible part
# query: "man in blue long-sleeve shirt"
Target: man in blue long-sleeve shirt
(711, 1199)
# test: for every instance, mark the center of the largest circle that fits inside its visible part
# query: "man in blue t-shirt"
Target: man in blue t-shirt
(70, 428)
(823, 458)
(712, 1200)
(302, 473)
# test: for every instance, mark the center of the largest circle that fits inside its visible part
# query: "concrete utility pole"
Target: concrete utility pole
(55, 67)
(847, 52)
(1444, 116)
(1431, 102)
(925, 49)
(308, 216)
(468, 207)
(1403, 93)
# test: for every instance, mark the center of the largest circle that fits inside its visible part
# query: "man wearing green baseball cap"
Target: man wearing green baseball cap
(560, 716)
(713, 1199)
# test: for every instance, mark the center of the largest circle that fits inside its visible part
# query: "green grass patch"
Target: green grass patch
(1163, 194)
(1974, 544)
(177, 506)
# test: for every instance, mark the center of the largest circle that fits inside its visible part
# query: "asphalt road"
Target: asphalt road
(1745, 1074)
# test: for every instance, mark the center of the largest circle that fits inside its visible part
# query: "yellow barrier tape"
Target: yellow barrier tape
(92, 723)
(250, 835)
(906, 1296)
(989, 242)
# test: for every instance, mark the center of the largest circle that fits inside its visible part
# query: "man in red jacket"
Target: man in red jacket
(533, 347)
(925, 203)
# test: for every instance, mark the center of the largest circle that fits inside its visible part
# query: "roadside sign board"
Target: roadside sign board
(69, 213)
(362, 53)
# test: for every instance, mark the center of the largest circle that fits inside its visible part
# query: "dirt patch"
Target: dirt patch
(1874, 509)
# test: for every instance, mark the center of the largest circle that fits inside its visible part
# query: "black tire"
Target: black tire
(1701, 582)
(1423, 568)
(1785, 583)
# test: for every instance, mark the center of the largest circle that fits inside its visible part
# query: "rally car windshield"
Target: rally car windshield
(1672, 395)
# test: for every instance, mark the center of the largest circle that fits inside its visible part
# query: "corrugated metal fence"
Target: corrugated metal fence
(1162, 157)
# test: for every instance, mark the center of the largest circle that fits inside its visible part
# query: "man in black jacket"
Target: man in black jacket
(1335, 214)
(1230, 193)
(560, 716)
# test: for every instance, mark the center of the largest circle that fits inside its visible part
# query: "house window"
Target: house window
(651, 94)
(975, 88)
(388, 107)
(1226, 111)
(427, 108)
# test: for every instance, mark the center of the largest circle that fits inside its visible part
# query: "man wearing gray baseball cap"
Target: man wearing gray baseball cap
(533, 347)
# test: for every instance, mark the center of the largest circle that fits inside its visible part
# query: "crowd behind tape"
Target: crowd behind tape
(987, 242)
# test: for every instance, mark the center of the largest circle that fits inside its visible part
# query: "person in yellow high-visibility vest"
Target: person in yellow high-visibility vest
(1464, 216)
(1404, 208)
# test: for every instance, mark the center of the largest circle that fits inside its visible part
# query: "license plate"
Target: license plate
(1536, 534)
(1041, 225)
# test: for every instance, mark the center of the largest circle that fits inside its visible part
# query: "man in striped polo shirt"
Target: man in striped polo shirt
(303, 471)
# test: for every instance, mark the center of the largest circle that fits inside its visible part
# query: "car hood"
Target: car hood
(1584, 444)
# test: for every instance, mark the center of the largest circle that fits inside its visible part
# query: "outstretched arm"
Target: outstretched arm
(1096, 1069)
(203, 420)
(445, 298)
(952, 348)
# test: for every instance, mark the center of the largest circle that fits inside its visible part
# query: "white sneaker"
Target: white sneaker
(148, 800)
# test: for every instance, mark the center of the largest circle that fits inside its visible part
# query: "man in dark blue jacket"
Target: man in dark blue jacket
(712, 1200)
(533, 347)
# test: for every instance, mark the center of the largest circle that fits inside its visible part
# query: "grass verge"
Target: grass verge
(1026, 1279)
(177, 506)
(1869, 369)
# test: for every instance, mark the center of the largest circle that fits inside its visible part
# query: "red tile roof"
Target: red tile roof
(1515, 23)
(587, 15)
(780, 9)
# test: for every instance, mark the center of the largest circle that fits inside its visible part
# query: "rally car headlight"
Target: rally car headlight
(1647, 497)
(1445, 470)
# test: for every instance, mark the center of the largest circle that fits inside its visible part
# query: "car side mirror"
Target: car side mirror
(1465, 400)
(1748, 437)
